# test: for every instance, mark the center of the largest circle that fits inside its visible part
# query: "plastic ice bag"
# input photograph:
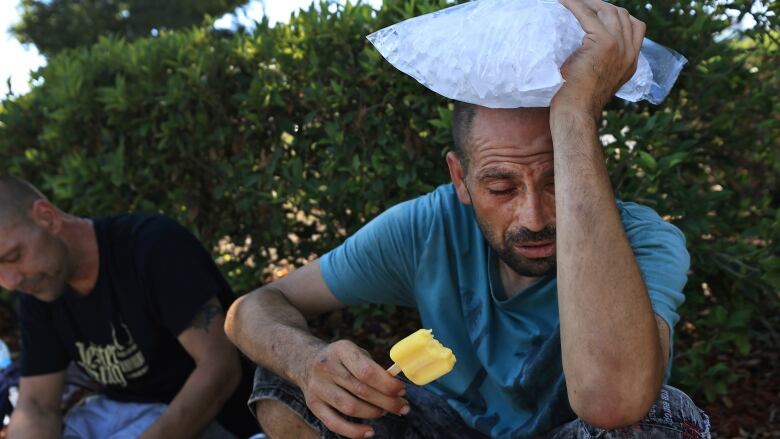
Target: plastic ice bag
(508, 53)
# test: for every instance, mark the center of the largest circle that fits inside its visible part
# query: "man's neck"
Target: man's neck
(512, 282)
(79, 235)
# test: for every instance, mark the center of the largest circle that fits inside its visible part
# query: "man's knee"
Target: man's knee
(279, 422)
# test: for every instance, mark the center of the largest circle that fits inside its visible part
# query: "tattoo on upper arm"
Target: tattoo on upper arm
(206, 314)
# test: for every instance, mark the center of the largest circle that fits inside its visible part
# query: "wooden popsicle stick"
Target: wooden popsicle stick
(395, 369)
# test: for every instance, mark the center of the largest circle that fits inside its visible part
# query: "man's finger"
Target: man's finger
(392, 404)
(367, 371)
(631, 50)
(586, 16)
(638, 32)
(347, 404)
(339, 425)
(627, 32)
(596, 5)
(610, 18)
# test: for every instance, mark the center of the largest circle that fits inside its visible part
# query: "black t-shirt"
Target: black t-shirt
(154, 277)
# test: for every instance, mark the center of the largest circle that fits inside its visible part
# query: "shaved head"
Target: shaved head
(16, 199)
(34, 258)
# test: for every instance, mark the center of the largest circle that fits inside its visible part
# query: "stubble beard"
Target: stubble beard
(530, 267)
(50, 287)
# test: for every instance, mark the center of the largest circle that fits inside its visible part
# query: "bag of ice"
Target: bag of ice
(508, 53)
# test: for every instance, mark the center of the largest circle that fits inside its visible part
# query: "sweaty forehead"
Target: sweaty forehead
(515, 136)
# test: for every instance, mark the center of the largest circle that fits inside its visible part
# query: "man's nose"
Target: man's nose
(10, 279)
(531, 212)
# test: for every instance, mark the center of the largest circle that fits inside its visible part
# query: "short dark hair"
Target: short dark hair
(16, 198)
(462, 120)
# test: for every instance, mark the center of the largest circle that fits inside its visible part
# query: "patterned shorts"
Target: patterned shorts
(673, 415)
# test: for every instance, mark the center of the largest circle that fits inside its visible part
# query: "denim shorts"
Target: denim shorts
(673, 415)
(430, 415)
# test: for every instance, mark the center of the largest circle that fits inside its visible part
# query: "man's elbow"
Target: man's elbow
(33, 419)
(232, 317)
(609, 416)
(611, 408)
(243, 311)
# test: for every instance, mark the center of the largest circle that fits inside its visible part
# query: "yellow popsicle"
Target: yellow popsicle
(421, 358)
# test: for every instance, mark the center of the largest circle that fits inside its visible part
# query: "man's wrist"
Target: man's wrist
(299, 374)
(570, 121)
(578, 98)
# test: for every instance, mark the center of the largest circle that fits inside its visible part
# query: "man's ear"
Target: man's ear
(458, 176)
(46, 216)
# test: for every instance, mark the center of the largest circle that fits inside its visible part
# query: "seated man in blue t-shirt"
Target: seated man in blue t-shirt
(558, 301)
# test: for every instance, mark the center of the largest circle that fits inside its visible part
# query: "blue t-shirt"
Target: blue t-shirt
(429, 253)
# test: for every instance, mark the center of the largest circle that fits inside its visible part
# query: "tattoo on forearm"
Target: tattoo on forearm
(206, 314)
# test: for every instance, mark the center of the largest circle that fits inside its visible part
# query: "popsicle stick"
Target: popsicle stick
(394, 370)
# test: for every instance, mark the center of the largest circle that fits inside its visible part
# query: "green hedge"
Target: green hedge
(296, 135)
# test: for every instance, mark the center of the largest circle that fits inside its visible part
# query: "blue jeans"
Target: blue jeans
(673, 415)
(98, 417)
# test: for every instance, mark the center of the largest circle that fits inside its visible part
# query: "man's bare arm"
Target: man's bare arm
(37, 414)
(268, 325)
(613, 355)
(216, 375)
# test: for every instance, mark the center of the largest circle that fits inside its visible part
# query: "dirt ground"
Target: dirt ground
(750, 410)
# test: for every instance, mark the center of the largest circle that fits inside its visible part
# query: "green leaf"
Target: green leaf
(647, 161)
(672, 160)
(743, 344)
